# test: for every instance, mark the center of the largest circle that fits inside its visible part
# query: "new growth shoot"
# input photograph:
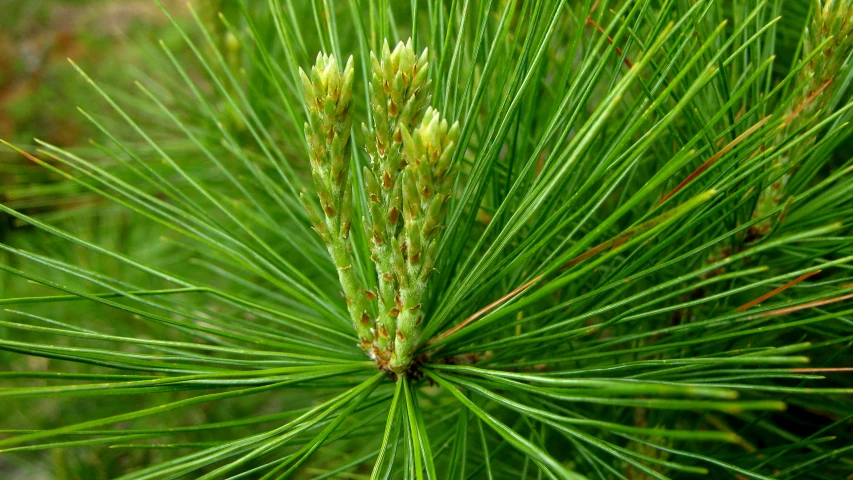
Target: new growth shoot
(408, 184)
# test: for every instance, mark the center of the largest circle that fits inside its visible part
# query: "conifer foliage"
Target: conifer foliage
(534, 239)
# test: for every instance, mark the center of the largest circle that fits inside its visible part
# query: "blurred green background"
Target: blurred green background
(114, 41)
(38, 87)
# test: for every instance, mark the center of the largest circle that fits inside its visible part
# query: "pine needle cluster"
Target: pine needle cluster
(534, 239)
(408, 184)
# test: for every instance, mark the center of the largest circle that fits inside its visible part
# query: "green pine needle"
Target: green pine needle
(571, 239)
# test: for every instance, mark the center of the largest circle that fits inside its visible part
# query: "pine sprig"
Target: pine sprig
(399, 93)
(327, 98)
(408, 184)
(827, 44)
(587, 276)
(427, 187)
